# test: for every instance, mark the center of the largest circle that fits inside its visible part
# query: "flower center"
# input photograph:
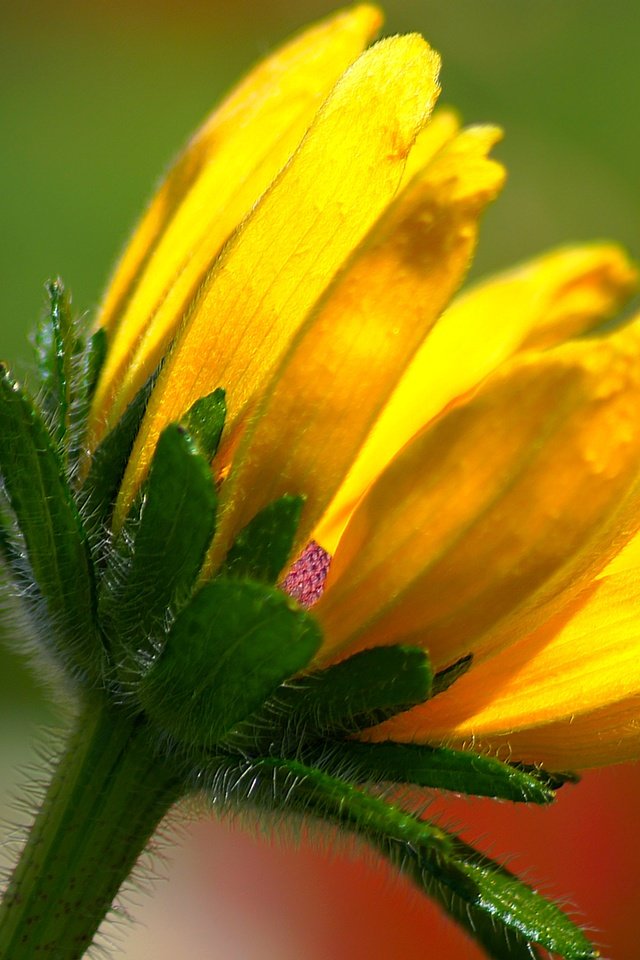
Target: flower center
(305, 580)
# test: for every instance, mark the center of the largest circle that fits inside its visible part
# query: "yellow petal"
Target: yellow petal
(226, 167)
(340, 370)
(441, 130)
(500, 507)
(536, 304)
(568, 693)
(628, 558)
(598, 739)
(284, 256)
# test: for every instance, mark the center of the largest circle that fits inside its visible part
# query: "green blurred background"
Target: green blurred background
(95, 99)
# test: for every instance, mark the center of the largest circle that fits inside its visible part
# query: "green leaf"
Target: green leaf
(359, 692)
(95, 356)
(108, 464)
(204, 421)
(56, 345)
(158, 556)
(85, 371)
(445, 678)
(53, 532)
(226, 653)
(498, 942)
(262, 548)
(441, 768)
(503, 896)
(68, 365)
(554, 779)
(9, 551)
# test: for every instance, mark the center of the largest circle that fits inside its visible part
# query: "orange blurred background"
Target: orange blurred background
(95, 99)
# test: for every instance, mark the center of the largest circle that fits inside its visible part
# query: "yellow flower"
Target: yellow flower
(472, 468)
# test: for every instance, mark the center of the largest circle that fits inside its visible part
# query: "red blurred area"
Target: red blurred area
(236, 896)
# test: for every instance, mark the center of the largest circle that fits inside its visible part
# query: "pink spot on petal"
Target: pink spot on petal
(305, 580)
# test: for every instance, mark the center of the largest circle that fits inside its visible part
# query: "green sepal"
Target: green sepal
(85, 373)
(366, 689)
(157, 556)
(225, 655)
(506, 898)
(69, 363)
(10, 551)
(96, 354)
(49, 521)
(108, 463)
(262, 548)
(447, 677)
(204, 421)
(57, 343)
(497, 941)
(460, 771)
(554, 779)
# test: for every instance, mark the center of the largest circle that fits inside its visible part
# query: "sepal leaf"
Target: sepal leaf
(498, 941)
(226, 653)
(68, 364)
(158, 554)
(50, 523)
(56, 342)
(108, 463)
(506, 898)
(368, 688)
(460, 771)
(262, 548)
(204, 421)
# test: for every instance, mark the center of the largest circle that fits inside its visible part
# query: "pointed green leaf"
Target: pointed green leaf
(262, 549)
(85, 371)
(226, 653)
(53, 532)
(9, 552)
(159, 554)
(96, 355)
(460, 771)
(108, 463)
(498, 942)
(204, 421)
(56, 346)
(503, 896)
(68, 364)
(553, 779)
(359, 692)
(445, 678)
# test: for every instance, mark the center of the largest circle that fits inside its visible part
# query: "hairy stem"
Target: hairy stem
(108, 794)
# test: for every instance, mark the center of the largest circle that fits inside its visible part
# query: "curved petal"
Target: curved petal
(626, 559)
(340, 370)
(537, 304)
(281, 260)
(442, 128)
(225, 168)
(569, 692)
(598, 739)
(505, 504)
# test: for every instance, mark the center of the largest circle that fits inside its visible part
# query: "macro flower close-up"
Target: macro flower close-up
(307, 525)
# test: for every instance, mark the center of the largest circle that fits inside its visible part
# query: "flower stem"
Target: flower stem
(108, 794)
